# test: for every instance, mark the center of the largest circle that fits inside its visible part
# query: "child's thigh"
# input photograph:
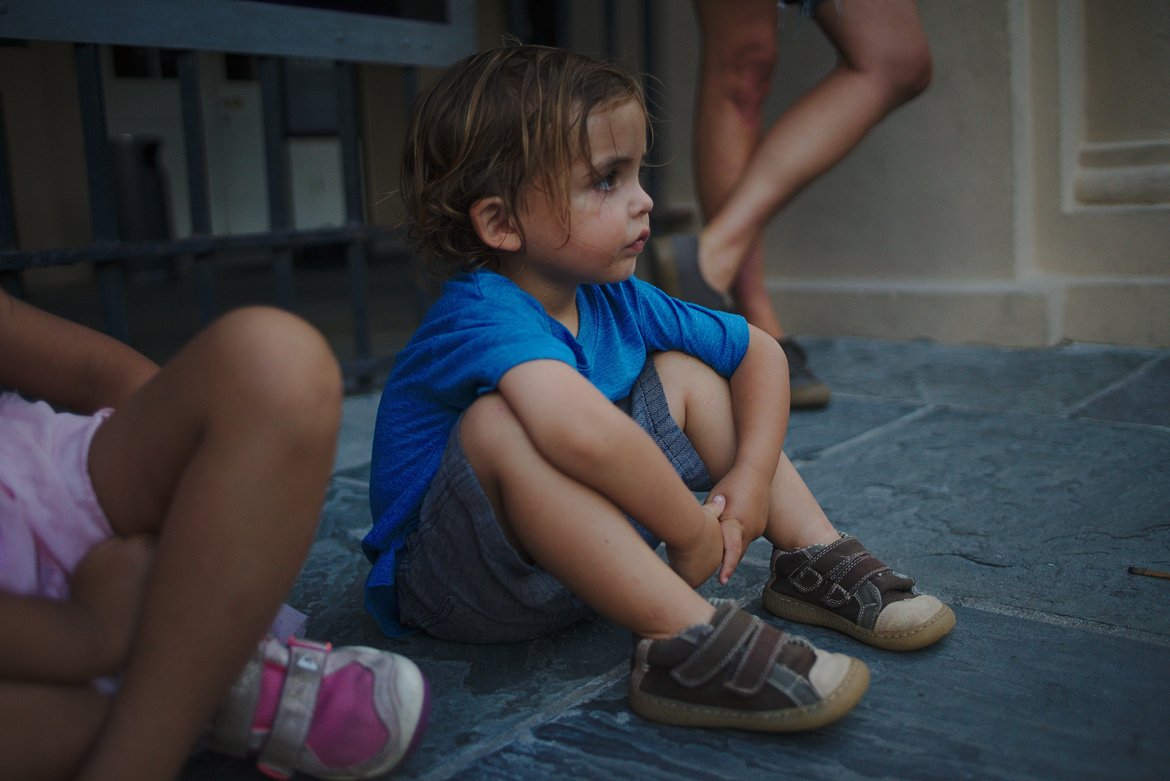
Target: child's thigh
(252, 375)
(460, 578)
(700, 402)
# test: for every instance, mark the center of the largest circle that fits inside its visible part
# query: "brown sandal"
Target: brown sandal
(845, 587)
(739, 671)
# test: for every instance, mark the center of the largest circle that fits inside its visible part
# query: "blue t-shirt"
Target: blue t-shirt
(482, 326)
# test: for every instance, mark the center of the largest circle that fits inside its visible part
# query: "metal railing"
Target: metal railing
(345, 33)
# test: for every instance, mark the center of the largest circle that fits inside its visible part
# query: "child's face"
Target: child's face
(609, 211)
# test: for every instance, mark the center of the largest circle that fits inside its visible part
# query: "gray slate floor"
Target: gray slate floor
(1018, 485)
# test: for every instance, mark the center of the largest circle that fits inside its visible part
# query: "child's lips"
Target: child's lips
(639, 244)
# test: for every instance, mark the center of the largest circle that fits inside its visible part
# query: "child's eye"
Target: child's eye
(608, 182)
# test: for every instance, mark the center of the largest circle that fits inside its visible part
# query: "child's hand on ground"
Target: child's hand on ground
(111, 583)
(698, 561)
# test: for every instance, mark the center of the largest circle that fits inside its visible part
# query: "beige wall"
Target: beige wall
(1023, 199)
(1101, 161)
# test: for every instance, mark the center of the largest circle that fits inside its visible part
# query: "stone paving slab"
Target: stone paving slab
(813, 431)
(1002, 698)
(1034, 512)
(1143, 397)
(357, 428)
(1017, 484)
(1042, 380)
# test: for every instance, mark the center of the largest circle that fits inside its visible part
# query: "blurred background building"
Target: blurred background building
(1024, 199)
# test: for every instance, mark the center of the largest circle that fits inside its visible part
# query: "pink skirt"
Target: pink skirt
(50, 517)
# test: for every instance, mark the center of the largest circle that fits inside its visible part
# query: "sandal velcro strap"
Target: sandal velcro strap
(838, 570)
(294, 711)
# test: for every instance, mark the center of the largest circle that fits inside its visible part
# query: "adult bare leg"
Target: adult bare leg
(884, 61)
(735, 76)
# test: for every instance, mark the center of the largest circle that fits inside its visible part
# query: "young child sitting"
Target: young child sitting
(546, 425)
(146, 543)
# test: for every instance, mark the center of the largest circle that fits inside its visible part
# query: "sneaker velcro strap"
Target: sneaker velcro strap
(755, 666)
(732, 629)
(294, 711)
(840, 569)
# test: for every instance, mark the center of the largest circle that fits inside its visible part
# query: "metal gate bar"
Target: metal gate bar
(271, 31)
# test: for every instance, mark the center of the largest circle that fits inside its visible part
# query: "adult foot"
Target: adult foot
(675, 262)
(808, 391)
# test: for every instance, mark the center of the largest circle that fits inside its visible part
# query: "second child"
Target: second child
(544, 429)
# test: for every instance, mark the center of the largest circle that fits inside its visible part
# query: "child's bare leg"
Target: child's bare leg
(51, 711)
(225, 454)
(572, 531)
(46, 729)
(689, 678)
(700, 402)
(795, 517)
(891, 615)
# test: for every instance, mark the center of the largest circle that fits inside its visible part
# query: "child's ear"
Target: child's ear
(493, 224)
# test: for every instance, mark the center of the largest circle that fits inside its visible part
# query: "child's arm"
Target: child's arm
(759, 402)
(581, 433)
(87, 636)
(66, 364)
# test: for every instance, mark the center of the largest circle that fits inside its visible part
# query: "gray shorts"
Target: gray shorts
(460, 578)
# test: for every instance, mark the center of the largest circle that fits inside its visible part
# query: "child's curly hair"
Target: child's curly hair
(494, 124)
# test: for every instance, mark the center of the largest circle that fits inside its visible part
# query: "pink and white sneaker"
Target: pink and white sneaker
(346, 713)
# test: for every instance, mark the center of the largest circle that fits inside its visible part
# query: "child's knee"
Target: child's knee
(281, 360)
(685, 379)
(270, 331)
(676, 368)
(494, 442)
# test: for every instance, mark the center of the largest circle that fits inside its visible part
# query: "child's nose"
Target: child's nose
(643, 203)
